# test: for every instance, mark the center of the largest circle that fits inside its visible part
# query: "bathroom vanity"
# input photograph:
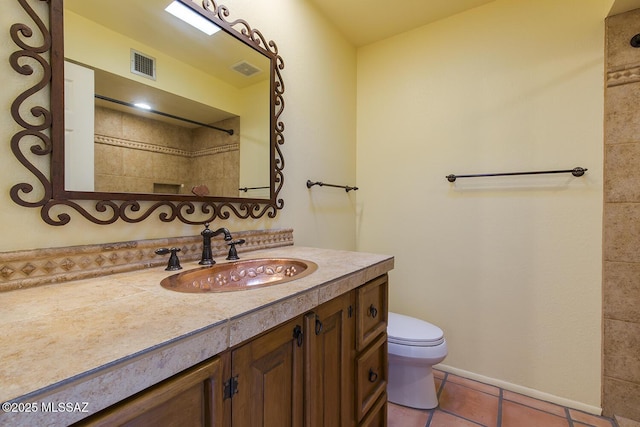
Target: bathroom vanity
(122, 349)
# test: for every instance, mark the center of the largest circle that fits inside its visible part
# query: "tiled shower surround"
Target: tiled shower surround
(621, 238)
(141, 155)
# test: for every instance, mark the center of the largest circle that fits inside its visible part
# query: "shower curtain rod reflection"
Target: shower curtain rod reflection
(245, 189)
(578, 171)
(322, 184)
(160, 113)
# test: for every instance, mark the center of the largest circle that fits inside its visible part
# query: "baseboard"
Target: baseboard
(536, 394)
(625, 422)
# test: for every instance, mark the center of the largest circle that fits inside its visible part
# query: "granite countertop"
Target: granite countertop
(97, 341)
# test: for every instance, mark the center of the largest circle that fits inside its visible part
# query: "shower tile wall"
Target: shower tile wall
(135, 154)
(621, 239)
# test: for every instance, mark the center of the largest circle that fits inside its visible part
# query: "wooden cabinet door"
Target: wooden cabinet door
(191, 398)
(329, 357)
(269, 374)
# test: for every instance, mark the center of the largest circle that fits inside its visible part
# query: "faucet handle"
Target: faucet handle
(233, 253)
(174, 262)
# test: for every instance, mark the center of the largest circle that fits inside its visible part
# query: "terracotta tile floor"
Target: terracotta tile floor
(468, 403)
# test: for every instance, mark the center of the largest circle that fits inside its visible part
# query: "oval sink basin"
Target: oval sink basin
(240, 275)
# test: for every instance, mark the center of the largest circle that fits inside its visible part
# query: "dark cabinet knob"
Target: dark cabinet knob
(373, 312)
(298, 335)
(373, 376)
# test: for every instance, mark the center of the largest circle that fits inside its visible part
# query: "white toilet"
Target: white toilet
(414, 346)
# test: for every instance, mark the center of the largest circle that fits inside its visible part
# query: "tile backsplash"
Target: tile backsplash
(29, 268)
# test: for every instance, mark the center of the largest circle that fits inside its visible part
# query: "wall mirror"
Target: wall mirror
(150, 114)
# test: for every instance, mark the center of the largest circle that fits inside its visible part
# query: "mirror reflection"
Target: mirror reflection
(205, 124)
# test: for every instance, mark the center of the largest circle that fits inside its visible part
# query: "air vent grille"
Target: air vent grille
(143, 65)
(246, 69)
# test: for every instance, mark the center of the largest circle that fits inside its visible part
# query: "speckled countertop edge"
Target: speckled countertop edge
(103, 339)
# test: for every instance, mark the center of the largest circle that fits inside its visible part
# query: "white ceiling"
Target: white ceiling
(367, 21)
(146, 22)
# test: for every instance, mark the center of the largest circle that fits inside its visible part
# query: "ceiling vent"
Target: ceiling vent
(246, 69)
(143, 65)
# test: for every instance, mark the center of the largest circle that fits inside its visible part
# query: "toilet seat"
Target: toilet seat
(405, 330)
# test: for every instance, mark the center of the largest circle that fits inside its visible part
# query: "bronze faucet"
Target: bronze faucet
(207, 256)
(233, 252)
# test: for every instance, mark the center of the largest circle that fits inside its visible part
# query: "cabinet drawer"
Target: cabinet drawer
(377, 416)
(371, 376)
(371, 311)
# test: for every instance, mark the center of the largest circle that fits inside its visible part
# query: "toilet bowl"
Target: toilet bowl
(414, 346)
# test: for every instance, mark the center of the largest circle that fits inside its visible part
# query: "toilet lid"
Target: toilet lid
(411, 331)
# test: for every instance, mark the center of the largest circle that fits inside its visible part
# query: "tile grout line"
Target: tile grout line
(568, 414)
(460, 417)
(444, 380)
(499, 418)
(430, 418)
(438, 393)
(566, 408)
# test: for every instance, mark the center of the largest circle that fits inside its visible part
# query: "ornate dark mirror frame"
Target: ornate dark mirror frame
(47, 128)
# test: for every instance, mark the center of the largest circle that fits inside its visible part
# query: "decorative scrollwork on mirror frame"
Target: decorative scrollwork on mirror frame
(44, 129)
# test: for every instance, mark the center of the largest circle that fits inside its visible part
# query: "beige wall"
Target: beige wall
(319, 118)
(509, 267)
